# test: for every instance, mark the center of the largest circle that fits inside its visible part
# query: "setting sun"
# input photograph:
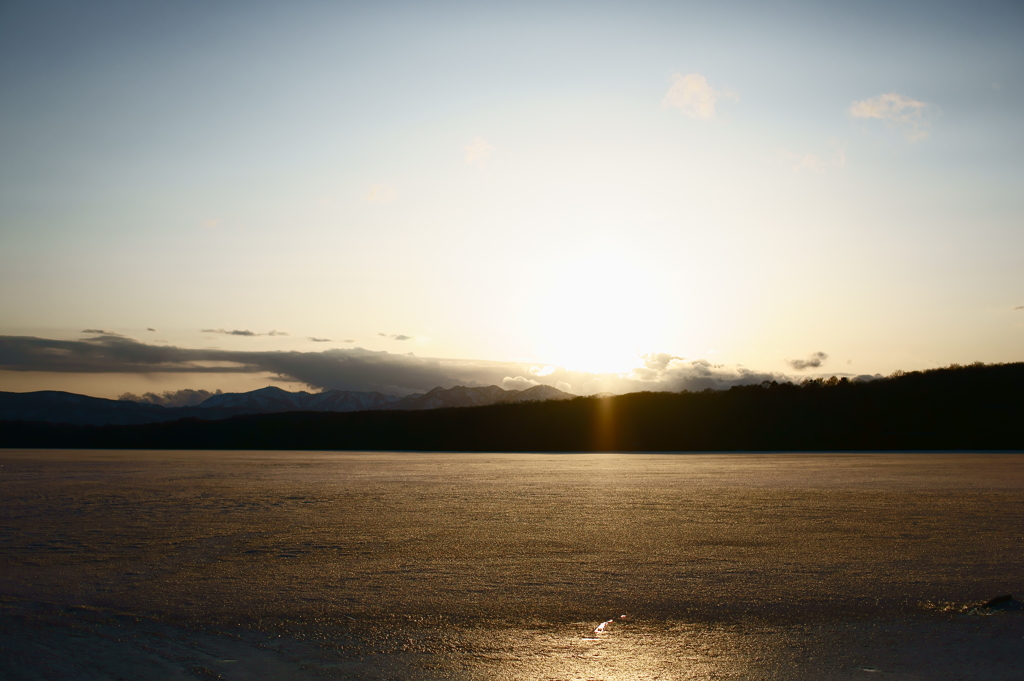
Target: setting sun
(599, 313)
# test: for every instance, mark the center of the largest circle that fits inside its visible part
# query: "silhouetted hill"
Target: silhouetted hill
(61, 407)
(974, 407)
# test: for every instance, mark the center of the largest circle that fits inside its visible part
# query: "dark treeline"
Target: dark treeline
(972, 407)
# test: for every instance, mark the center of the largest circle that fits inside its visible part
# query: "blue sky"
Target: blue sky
(558, 190)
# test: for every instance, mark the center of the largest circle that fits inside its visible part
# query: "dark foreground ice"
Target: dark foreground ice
(299, 565)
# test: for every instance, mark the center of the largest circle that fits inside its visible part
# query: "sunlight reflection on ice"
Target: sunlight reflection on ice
(629, 651)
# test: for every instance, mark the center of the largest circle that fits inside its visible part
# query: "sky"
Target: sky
(600, 196)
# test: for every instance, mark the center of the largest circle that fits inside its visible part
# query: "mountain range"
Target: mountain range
(60, 407)
(976, 407)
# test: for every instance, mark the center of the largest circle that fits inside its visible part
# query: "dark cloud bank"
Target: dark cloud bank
(358, 368)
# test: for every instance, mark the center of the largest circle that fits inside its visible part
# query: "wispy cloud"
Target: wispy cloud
(895, 109)
(381, 193)
(320, 340)
(236, 332)
(1019, 307)
(150, 329)
(694, 96)
(815, 163)
(244, 332)
(813, 361)
(393, 336)
(478, 151)
(101, 332)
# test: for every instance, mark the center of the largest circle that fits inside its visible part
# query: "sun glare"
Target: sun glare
(601, 312)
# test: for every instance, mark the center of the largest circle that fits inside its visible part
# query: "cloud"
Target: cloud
(244, 332)
(171, 398)
(393, 336)
(660, 360)
(1019, 307)
(320, 340)
(349, 340)
(150, 329)
(358, 368)
(813, 361)
(102, 332)
(478, 150)
(517, 383)
(347, 369)
(662, 371)
(896, 110)
(654, 365)
(563, 386)
(542, 371)
(236, 332)
(692, 95)
(381, 193)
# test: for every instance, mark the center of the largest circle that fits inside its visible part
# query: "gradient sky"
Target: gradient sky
(587, 194)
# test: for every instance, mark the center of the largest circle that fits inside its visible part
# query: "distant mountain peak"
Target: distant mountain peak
(271, 390)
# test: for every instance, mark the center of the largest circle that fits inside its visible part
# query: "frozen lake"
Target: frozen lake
(294, 565)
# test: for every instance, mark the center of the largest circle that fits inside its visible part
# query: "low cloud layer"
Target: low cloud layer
(694, 96)
(171, 398)
(518, 383)
(813, 361)
(662, 371)
(366, 370)
(895, 109)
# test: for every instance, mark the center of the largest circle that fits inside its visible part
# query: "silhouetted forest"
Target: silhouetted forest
(959, 407)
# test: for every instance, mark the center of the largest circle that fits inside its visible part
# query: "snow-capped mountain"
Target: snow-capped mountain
(274, 399)
(461, 396)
